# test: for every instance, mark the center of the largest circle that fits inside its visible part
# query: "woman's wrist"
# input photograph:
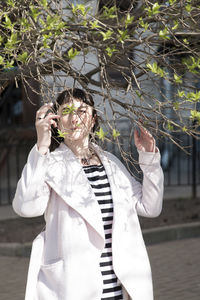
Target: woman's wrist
(42, 149)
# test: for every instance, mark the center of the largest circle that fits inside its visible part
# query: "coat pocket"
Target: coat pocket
(51, 281)
(52, 263)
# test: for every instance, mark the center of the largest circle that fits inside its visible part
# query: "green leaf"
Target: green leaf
(176, 105)
(94, 24)
(53, 23)
(101, 134)
(128, 20)
(155, 9)
(9, 64)
(72, 53)
(138, 94)
(69, 109)
(142, 24)
(44, 3)
(184, 129)
(195, 115)
(80, 9)
(106, 35)
(170, 126)
(73, 8)
(154, 68)
(123, 36)
(109, 13)
(178, 79)
(43, 23)
(172, 2)
(188, 8)
(35, 12)
(193, 64)
(193, 96)
(25, 24)
(46, 40)
(22, 57)
(115, 133)
(164, 34)
(110, 51)
(181, 94)
(11, 3)
(1, 60)
(176, 24)
(7, 23)
(84, 22)
(45, 45)
(61, 25)
(61, 134)
(186, 41)
(12, 41)
(51, 20)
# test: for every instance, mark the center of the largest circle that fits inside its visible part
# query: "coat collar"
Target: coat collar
(67, 177)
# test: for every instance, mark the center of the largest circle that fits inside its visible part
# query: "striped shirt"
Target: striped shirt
(112, 289)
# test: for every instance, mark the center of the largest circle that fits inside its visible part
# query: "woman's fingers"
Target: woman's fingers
(50, 118)
(45, 118)
(144, 130)
(144, 140)
(136, 135)
(137, 139)
(54, 123)
(41, 113)
(145, 134)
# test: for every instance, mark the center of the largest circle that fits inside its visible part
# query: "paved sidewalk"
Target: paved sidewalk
(175, 267)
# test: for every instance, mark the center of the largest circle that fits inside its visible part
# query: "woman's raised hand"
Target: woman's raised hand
(43, 123)
(144, 141)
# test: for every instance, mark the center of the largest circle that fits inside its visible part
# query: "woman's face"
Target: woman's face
(76, 120)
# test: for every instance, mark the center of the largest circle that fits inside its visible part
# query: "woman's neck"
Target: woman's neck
(82, 150)
(79, 148)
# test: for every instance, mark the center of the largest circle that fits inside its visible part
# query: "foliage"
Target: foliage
(101, 134)
(195, 116)
(147, 45)
(61, 134)
(115, 133)
(69, 109)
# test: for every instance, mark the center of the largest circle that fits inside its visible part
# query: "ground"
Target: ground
(179, 211)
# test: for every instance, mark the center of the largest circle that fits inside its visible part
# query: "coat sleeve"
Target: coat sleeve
(149, 194)
(32, 193)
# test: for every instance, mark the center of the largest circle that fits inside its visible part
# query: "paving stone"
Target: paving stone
(176, 269)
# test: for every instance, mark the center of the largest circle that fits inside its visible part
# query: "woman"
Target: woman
(92, 247)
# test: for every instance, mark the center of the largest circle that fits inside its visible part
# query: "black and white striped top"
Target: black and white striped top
(112, 289)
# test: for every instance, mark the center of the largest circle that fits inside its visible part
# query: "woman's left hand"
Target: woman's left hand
(144, 141)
